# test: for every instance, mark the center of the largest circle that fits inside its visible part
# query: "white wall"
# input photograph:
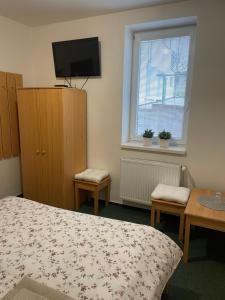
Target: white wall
(206, 139)
(15, 57)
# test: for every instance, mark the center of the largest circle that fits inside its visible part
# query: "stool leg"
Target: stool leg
(152, 216)
(96, 199)
(181, 227)
(157, 216)
(77, 199)
(107, 194)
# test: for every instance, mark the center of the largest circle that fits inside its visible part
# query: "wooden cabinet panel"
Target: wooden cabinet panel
(10, 80)
(5, 118)
(80, 131)
(13, 112)
(1, 150)
(9, 142)
(2, 92)
(75, 135)
(2, 79)
(50, 106)
(19, 80)
(29, 136)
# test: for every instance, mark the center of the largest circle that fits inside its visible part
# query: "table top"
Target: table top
(194, 208)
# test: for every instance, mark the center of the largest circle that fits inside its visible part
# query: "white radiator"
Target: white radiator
(140, 177)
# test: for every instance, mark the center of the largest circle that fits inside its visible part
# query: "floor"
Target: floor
(204, 276)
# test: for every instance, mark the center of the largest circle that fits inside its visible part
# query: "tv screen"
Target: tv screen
(77, 58)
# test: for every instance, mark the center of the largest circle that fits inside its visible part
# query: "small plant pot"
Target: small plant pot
(147, 141)
(164, 143)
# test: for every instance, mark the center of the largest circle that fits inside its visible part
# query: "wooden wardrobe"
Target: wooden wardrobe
(52, 125)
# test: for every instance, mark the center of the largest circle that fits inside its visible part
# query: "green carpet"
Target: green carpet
(204, 276)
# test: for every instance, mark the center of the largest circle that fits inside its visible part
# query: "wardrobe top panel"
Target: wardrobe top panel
(48, 88)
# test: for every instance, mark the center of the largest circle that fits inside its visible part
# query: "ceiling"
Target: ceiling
(42, 12)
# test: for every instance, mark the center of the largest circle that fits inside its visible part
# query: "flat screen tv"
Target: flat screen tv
(77, 58)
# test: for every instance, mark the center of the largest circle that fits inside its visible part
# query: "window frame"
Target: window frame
(139, 36)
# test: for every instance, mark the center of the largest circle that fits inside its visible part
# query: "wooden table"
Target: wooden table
(199, 215)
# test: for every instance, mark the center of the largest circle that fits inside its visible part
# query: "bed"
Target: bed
(83, 256)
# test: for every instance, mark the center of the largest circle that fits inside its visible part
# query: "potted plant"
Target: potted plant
(164, 138)
(147, 137)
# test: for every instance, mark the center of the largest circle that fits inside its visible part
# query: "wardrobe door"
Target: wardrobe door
(50, 105)
(30, 143)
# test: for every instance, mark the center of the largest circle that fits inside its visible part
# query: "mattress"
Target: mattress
(83, 256)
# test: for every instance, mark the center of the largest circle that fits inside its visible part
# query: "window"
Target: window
(161, 72)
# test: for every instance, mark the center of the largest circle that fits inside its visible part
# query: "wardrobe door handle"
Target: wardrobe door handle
(43, 152)
(37, 152)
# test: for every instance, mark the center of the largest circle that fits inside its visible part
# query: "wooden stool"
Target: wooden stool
(171, 208)
(93, 187)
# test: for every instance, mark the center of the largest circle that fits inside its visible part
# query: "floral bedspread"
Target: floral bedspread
(84, 256)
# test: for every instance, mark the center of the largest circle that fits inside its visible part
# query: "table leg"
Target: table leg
(186, 239)
(96, 199)
(152, 222)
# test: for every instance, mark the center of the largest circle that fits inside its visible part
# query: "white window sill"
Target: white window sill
(177, 150)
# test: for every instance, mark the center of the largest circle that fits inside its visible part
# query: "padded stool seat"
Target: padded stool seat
(171, 200)
(92, 180)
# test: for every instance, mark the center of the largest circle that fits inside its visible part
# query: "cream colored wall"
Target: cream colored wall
(206, 139)
(15, 54)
